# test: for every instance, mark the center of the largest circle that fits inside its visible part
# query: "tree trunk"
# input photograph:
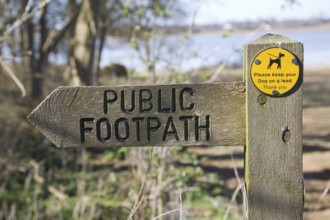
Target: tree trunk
(34, 79)
(103, 33)
(84, 44)
(41, 63)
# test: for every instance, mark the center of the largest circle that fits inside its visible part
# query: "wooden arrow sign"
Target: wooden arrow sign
(158, 115)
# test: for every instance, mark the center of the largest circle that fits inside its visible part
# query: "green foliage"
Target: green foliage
(227, 33)
(126, 11)
(158, 8)
(205, 76)
(118, 153)
(140, 11)
(134, 43)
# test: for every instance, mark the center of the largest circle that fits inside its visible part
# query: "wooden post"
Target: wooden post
(273, 154)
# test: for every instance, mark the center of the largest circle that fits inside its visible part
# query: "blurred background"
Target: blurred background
(49, 43)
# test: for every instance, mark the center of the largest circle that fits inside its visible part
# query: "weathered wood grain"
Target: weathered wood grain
(70, 116)
(273, 158)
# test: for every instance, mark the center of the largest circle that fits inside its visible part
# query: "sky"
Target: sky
(221, 11)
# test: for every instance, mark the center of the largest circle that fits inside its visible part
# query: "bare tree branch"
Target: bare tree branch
(55, 37)
(166, 213)
(139, 199)
(323, 195)
(240, 187)
(26, 16)
(13, 76)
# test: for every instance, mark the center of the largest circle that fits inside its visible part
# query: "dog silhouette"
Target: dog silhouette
(277, 61)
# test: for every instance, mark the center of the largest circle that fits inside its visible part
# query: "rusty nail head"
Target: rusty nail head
(262, 99)
(286, 134)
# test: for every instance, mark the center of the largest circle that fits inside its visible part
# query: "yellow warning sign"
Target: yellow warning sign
(275, 71)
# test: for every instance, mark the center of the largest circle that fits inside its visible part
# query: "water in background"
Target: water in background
(181, 54)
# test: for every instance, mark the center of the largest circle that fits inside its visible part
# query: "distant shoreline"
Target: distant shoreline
(244, 28)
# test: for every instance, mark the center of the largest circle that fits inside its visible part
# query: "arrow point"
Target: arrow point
(46, 116)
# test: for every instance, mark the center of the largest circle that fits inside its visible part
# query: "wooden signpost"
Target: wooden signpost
(159, 115)
(263, 113)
